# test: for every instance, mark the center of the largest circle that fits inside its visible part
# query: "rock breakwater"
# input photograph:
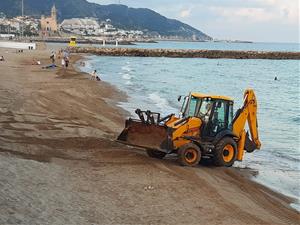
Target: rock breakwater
(180, 53)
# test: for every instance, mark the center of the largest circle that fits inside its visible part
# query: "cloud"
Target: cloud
(185, 13)
(251, 15)
(272, 11)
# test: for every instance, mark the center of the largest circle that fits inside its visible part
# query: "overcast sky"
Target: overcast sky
(253, 20)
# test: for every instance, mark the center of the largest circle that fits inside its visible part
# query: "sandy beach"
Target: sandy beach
(59, 163)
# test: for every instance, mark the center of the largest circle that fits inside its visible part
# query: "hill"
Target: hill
(121, 16)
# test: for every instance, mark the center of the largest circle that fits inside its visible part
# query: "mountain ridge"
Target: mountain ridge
(121, 16)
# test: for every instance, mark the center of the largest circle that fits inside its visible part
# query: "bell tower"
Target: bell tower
(54, 13)
(49, 24)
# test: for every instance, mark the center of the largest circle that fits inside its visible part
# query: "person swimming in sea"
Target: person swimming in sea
(275, 78)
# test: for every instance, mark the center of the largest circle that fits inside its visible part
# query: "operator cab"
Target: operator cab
(215, 112)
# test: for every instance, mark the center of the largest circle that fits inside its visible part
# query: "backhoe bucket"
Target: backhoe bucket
(140, 134)
(250, 145)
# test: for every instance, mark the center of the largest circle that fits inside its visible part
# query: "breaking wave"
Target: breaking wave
(127, 76)
(161, 103)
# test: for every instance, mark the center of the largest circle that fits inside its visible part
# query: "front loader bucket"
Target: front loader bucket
(140, 134)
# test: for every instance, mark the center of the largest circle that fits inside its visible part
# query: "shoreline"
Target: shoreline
(114, 101)
(57, 154)
(248, 173)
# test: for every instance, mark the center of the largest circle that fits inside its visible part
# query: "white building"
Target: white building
(15, 25)
(86, 26)
(91, 27)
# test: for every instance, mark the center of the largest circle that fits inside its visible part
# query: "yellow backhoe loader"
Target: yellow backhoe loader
(206, 128)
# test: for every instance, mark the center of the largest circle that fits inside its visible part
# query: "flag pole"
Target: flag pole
(22, 31)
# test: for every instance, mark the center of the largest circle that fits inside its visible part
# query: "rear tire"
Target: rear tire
(225, 152)
(189, 155)
(155, 154)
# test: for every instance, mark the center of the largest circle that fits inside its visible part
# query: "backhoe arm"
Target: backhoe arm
(248, 112)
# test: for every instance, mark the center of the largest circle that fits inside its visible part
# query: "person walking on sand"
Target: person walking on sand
(2, 58)
(63, 63)
(52, 57)
(59, 54)
(67, 61)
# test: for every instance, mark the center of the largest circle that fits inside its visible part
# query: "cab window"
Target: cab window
(193, 106)
(205, 109)
(230, 114)
(219, 116)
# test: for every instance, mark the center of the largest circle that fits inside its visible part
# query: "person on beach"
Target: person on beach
(51, 66)
(63, 62)
(67, 61)
(95, 76)
(52, 57)
(59, 53)
(35, 62)
(66, 54)
(2, 58)
(98, 78)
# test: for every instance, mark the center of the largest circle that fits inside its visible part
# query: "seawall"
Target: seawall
(17, 45)
(81, 41)
(180, 53)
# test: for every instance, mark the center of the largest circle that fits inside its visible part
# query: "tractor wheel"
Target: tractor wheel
(225, 152)
(156, 154)
(189, 155)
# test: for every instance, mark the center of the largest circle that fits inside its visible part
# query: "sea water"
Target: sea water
(255, 46)
(154, 84)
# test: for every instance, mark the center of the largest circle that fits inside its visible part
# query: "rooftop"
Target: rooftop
(201, 95)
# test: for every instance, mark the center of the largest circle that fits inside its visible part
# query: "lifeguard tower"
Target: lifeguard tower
(72, 42)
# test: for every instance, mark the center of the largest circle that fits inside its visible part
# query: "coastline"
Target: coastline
(60, 128)
(246, 172)
(116, 96)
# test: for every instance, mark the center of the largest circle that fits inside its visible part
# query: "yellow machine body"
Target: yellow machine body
(73, 42)
(215, 134)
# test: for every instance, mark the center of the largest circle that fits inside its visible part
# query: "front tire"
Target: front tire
(189, 155)
(156, 154)
(225, 152)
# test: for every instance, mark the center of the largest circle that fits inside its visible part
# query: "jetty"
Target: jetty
(187, 53)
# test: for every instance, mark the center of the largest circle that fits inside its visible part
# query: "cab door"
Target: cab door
(218, 120)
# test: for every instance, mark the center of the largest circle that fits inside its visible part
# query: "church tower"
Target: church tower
(54, 13)
(49, 24)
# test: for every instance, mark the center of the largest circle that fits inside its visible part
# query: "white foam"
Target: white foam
(126, 68)
(87, 67)
(126, 76)
(160, 102)
(128, 82)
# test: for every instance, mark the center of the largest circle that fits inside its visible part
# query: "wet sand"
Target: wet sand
(59, 163)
